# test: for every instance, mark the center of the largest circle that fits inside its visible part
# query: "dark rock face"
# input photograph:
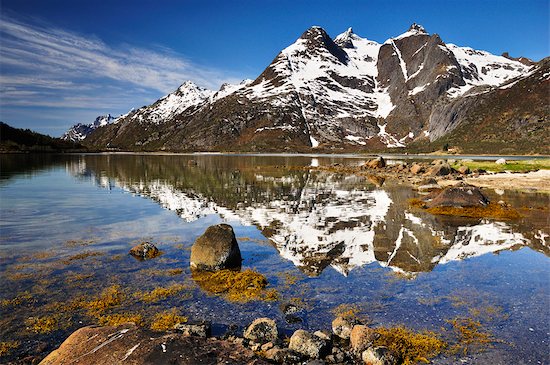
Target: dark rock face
(144, 251)
(262, 330)
(461, 195)
(127, 344)
(216, 249)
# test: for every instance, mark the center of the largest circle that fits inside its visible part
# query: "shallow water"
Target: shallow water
(323, 240)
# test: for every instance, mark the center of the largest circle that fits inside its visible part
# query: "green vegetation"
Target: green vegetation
(236, 286)
(409, 346)
(14, 140)
(45, 324)
(491, 210)
(7, 346)
(160, 293)
(167, 320)
(516, 166)
(109, 297)
(470, 336)
(120, 318)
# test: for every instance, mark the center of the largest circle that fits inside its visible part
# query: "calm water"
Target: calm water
(322, 240)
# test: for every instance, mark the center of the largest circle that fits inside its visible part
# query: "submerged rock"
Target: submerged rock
(262, 330)
(144, 251)
(216, 249)
(461, 195)
(307, 344)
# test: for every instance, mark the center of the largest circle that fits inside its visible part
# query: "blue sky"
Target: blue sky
(67, 61)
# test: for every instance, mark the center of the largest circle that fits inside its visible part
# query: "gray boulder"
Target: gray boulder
(378, 356)
(262, 330)
(216, 249)
(342, 327)
(308, 344)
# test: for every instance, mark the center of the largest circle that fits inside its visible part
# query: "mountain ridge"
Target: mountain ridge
(346, 93)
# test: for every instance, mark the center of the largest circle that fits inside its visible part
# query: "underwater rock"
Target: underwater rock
(262, 330)
(144, 251)
(307, 344)
(216, 249)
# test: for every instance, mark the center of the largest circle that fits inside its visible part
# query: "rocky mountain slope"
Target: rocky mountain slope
(347, 93)
(80, 131)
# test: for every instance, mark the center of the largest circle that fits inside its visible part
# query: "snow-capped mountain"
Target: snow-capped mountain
(321, 93)
(80, 131)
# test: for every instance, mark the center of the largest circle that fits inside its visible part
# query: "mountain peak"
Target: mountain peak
(414, 30)
(345, 40)
(418, 28)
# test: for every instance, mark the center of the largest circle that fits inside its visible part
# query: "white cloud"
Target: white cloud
(51, 53)
(50, 74)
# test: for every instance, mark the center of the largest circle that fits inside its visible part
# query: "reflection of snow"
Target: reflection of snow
(336, 221)
(481, 239)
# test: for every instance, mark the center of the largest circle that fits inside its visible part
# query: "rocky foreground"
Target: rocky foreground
(350, 343)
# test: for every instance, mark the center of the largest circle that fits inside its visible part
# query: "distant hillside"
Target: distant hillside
(25, 140)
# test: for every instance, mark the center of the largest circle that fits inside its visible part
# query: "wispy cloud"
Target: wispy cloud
(51, 67)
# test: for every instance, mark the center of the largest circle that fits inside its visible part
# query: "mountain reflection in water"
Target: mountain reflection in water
(313, 218)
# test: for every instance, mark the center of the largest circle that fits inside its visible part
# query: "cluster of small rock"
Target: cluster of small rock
(349, 343)
(434, 168)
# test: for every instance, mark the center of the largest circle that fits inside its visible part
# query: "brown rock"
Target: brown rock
(417, 169)
(216, 249)
(464, 170)
(307, 344)
(378, 356)
(342, 327)
(441, 169)
(144, 251)
(128, 344)
(361, 338)
(461, 195)
(376, 163)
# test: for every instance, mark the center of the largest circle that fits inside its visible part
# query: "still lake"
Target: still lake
(326, 243)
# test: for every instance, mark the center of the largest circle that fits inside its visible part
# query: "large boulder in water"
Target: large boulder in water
(461, 195)
(216, 249)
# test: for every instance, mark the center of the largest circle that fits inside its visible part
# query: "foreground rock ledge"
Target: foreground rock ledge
(128, 344)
